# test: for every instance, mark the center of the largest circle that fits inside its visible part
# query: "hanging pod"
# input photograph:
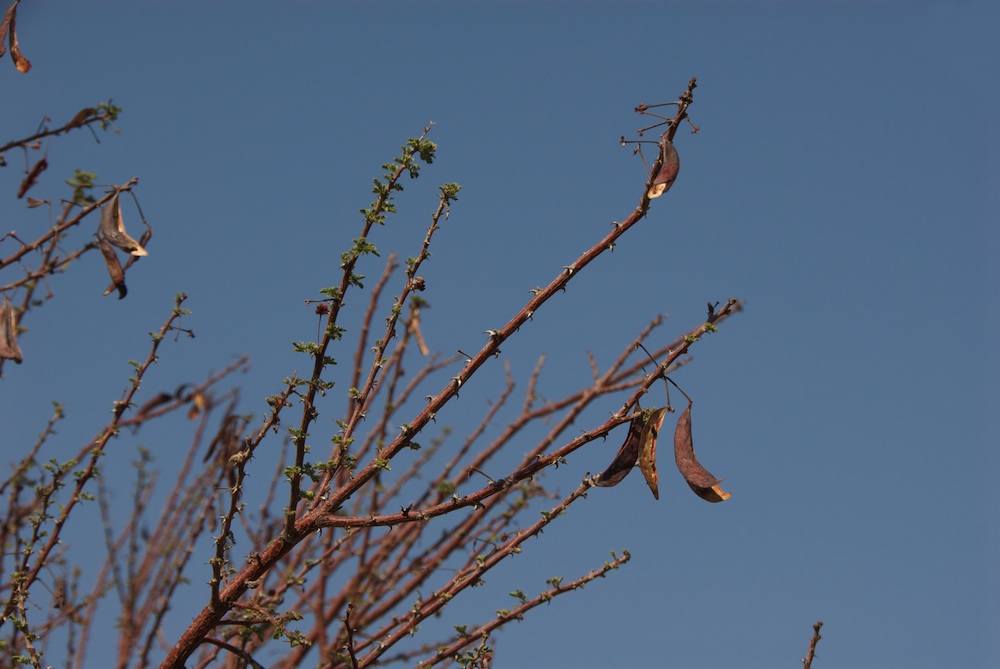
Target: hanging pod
(701, 481)
(114, 270)
(8, 27)
(113, 227)
(647, 450)
(627, 455)
(668, 173)
(8, 333)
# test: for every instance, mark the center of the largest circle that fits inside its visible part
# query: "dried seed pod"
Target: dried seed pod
(703, 483)
(10, 23)
(81, 117)
(113, 227)
(647, 450)
(627, 455)
(32, 177)
(114, 269)
(8, 333)
(668, 173)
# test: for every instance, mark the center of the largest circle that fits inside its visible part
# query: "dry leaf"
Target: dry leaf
(703, 483)
(8, 333)
(627, 455)
(113, 227)
(668, 173)
(647, 450)
(114, 269)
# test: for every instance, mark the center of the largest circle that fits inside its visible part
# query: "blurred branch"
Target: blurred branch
(808, 659)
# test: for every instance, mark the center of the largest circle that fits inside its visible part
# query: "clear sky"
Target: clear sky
(845, 182)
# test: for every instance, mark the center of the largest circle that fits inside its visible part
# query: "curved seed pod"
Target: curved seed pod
(9, 23)
(114, 269)
(32, 178)
(647, 450)
(113, 227)
(8, 333)
(704, 484)
(627, 455)
(668, 173)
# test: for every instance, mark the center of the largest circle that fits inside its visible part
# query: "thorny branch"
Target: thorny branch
(326, 509)
(339, 560)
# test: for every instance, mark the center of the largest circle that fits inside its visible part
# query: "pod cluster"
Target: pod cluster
(640, 448)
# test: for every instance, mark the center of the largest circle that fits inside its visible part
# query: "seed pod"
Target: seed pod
(668, 173)
(32, 177)
(113, 227)
(647, 450)
(81, 117)
(10, 23)
(627, 455)
(8, 333)
(704, 484)
(114, 269)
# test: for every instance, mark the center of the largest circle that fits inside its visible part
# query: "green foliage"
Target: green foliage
(82, 183)
(108, 114)
(449, 191)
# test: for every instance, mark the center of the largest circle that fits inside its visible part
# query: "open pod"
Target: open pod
(647, 450)
(113, 227)
(626, 457)
(668, 173)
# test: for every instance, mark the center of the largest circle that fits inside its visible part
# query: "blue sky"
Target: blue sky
(844, 183)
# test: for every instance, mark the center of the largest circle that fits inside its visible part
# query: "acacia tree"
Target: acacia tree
(345, 542)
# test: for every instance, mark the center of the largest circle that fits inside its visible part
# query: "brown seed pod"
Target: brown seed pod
(113, 227)
(81, 117)
(701, 481)
(647, 450)
(627, 455)
(668, 173)
(114, 270)
(8, 333)
(32, 177)
(9, 23)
